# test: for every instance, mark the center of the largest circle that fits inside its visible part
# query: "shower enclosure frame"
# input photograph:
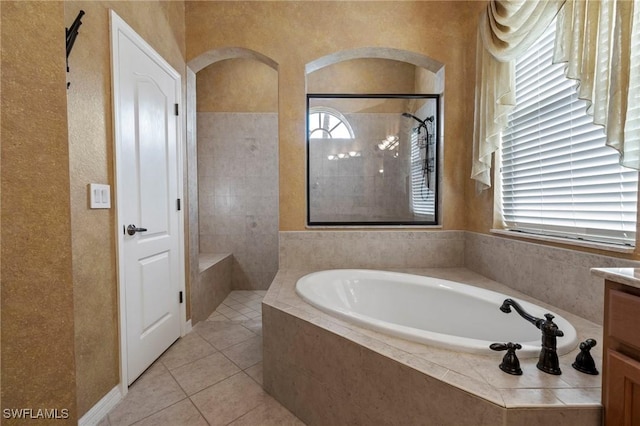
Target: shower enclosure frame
(436, 157)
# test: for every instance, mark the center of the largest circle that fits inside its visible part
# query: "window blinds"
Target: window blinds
(557, 176)
(423, 200)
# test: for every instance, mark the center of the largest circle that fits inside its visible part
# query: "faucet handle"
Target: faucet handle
(510, 363)
(549, 327)
(584, 361)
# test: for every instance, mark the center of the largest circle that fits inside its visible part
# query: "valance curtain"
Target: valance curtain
(506, 30)
(602, 51)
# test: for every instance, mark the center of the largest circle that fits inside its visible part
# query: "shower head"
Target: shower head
(406, 114)
(422, 122)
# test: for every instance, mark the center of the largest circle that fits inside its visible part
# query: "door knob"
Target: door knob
(131, 229)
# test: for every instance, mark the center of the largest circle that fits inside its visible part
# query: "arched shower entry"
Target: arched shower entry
(232, 161)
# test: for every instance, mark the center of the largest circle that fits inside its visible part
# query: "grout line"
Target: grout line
(215, 350)
(257, 382)
(244, 414)
(232, 362)
(246, 328)
(179, 385)
(156, 412)
(198, 409)
(212, 384)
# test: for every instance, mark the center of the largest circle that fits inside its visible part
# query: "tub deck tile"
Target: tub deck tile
(479, 388)
(478, 375)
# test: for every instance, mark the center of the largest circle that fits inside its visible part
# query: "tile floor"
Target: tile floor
(211, 376)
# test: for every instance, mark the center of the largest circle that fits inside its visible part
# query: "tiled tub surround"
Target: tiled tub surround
(557, 276)
(375, 250)
(238, 193)
(554, 275)
(327, 371)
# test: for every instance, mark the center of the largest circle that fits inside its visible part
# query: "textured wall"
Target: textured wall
(38, 360)
(237, 85)
(295, 33)
(90, 121)
(363, 76)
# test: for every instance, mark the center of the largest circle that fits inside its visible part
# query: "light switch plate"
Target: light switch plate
(99, 196)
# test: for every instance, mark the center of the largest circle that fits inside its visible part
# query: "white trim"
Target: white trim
(567, 241)
(181, 154)
(118, 26)
(187, 328)
(102, 408)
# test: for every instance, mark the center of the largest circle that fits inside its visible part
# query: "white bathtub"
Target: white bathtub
(428, 310)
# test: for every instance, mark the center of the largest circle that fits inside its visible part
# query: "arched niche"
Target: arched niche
(232, 161)
(389, 172)
(215, 55)
(377, 65)
(409, 57)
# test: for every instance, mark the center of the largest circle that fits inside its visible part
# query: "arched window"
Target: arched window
(327, 123)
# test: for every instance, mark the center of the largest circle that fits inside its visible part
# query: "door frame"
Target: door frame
(119, 26)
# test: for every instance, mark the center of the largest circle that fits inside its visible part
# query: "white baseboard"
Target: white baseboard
(102, 408)
(110, 400)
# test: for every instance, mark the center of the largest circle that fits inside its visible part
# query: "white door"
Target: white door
(146, 92)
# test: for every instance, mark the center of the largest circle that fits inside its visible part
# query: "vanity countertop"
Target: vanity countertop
(628, 276)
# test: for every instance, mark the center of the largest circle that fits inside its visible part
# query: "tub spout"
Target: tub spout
(548, 361)
(506, 308)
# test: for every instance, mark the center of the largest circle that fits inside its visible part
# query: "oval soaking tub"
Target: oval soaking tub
(428, 310)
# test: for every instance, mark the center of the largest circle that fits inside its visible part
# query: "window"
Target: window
(557, 176)
(327, 123)
(423, 195)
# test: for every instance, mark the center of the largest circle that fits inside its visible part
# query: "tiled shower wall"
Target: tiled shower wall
(354, 189)
(238, 193)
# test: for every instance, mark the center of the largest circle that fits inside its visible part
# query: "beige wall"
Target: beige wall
(161, 24)
(296, 33)
(59, 293)
(363, 76)
(237, 85)
(429, 82)
(38, 360)
(58, 297)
